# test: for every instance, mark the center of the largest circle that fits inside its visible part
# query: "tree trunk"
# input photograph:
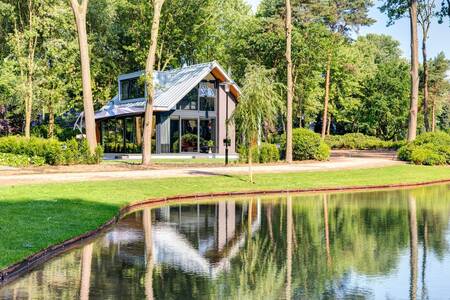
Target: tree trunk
(327, 97)
(433, 116)
(413, 239)
(289, 231)
(250, 158)
(290, 85)
(425, 82)
(147, 225)
(149, 67)
(327, 229)
(412, 124)
(30, 72)
(28, 108)
(86, 261)
(51, 122)
(80, 11)
(329, 125)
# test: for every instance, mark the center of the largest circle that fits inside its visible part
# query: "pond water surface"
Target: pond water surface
(364, 245)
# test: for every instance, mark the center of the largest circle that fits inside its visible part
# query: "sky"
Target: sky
(439, 39)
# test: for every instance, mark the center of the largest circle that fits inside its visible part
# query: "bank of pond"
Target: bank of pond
(378, 244)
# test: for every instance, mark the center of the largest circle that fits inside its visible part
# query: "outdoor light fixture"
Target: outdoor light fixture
(226, 141)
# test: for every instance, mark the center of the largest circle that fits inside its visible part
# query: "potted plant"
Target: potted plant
(210, 145)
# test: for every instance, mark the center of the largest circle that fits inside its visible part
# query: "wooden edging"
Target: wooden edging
(12, 272)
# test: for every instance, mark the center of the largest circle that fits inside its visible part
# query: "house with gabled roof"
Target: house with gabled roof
(191, 108)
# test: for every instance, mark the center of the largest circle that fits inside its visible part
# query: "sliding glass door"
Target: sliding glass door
(189, 135)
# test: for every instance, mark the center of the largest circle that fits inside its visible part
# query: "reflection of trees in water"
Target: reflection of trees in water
(290, 255)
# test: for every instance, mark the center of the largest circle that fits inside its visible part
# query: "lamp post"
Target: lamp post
(226, 141)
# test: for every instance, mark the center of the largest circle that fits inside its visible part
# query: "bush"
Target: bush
(359, 141)
(307, 144)
(51, 151)
(61, 133)
(323, 152)
(18, 160)
(268, 153)
(265, 154)
(431, 148)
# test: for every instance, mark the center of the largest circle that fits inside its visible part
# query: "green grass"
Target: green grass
(36, 216)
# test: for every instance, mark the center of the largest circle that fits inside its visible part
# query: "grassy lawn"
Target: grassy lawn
(36, 216)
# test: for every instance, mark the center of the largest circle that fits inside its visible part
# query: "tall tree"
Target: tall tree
(149, 69)
(425, 16)
(79, 12)
(395, 10)
(290, 85)
(341, 17)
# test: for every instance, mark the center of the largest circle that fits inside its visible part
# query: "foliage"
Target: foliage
(307, 145)
(52, 151)
(19, 160)
(265, 153)
(431, 148)
(61, 133)
(360, 141)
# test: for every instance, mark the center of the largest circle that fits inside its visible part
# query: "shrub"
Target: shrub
(265, 154)
(51, 151)
(19, 160)
(423, 155)
(360, 141)
(431, 148)
(307, 144)
(323, 152)
(268, 153)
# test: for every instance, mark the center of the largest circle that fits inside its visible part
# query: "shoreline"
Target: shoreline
(18, 269)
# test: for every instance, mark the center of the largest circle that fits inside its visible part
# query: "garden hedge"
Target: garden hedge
(51, 151)
(431, 148)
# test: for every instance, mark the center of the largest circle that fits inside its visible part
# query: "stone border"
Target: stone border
(12, 272)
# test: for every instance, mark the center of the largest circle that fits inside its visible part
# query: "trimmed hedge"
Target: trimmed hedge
(307, 144)
(18, 160)
(52, 151)
(359, 141)
(431, 148)
(266, 153)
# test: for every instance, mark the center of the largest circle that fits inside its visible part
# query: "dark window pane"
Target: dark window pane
(132, 88)
(189, 135)
(174, 136)
(208, 135)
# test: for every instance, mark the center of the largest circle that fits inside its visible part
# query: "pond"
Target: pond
(364, 245)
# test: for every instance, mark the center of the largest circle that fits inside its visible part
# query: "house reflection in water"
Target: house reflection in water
(202, 239)
(195, 239)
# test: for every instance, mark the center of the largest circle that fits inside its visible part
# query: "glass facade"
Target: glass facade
(124, 135)
(191, 128)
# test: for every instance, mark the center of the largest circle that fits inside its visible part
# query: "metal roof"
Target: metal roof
(170, 87)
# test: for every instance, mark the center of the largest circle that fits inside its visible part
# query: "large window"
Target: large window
(189, 135)
(207, 93)
(132, 88)
(190, 101)
(174, 136)
(124, 135)
(208, 135)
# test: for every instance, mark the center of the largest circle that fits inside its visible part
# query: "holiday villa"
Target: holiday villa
(191, 107)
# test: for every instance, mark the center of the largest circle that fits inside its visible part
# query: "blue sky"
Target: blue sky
(439, 33)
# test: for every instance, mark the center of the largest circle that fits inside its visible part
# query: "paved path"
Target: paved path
(337, 163)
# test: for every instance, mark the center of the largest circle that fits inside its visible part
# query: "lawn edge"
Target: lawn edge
(14, 271)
